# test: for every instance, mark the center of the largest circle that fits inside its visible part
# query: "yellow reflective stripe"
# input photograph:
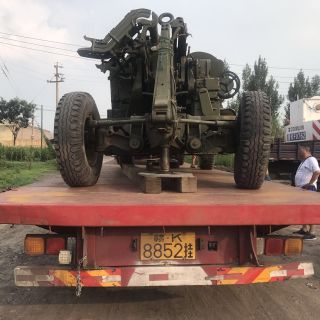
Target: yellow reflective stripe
(65, 277)
(100, 273)
(111, 284)
(227, 281)
(97, 273)
(264, 276)
(239, 270)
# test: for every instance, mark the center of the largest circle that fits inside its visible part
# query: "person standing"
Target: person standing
(306, 178)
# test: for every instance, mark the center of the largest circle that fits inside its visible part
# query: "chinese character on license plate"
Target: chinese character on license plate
(162, 246)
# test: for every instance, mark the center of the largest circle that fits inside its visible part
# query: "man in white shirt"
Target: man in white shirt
(306, 178)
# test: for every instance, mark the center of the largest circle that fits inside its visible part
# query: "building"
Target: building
(24, 137)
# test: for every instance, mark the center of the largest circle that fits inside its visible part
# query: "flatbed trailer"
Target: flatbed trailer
(115, 235)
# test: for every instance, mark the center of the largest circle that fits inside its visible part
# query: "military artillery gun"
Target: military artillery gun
(166, 102)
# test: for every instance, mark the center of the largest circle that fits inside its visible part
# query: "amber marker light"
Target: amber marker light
(34, 246)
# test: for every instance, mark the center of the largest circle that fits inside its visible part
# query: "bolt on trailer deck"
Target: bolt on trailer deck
(111, 234)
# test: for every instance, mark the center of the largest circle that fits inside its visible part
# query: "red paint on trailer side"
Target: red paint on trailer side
(117, 202)
(159, 215)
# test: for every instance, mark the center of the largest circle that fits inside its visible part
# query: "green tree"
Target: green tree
(258, 80)
(16, 114)
(315, 85)
(300, 88)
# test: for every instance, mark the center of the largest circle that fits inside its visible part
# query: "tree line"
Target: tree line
(259, 78)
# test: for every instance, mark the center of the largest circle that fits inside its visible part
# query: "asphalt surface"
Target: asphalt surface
(294, 299)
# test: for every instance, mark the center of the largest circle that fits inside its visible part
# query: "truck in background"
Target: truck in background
(304, 127)
(304, 121)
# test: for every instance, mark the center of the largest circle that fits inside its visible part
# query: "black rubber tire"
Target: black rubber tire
(206, 161)
(253, 141)
(79, 163)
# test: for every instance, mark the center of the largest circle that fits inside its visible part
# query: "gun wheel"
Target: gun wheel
(75, 143)
(206, 161)
(254, 138)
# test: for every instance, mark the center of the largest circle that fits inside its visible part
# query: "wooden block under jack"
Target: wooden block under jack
(151, 185)
(153, 182)
(188, 184)
(178, 181)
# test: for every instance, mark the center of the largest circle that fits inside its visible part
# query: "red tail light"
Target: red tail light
(38, 244)
(54, 245)
(274, 246)
(280, 245)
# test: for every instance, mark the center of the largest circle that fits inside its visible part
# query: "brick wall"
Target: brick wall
(24, 136)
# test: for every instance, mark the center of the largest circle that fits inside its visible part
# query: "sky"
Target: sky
(284, 32)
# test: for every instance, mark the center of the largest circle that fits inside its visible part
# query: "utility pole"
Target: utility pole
(58, 78)
(32, 129)
(41, 125)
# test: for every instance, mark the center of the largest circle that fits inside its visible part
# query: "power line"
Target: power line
(37, 44)
(86, 80)
(15, 89)
(5, 71)
(41, 76)
(44, 109)
(22, 67)
(67, 55)
(283, 77)
(40, 39)
(40, 50)
(4, 65)
(39, 92)
(78, 45)
(280, 68)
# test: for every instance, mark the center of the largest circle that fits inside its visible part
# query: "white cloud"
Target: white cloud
(28, 17)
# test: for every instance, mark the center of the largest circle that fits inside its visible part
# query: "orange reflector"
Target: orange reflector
(293, 247)
(34, 246)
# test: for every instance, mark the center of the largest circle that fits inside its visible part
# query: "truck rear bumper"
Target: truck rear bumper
(158, 275)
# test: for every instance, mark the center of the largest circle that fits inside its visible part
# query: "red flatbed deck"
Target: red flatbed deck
(115, 201)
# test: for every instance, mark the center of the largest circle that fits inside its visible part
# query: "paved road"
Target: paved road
(295, 299)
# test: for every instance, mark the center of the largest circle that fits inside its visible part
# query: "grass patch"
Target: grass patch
(220, 160)
(26, 153)
(14, 174)
(224, 160)
(187, 158)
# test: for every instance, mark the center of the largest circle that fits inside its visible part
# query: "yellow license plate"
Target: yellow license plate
(163, 246)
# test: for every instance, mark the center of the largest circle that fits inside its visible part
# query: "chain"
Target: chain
(78, 279)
